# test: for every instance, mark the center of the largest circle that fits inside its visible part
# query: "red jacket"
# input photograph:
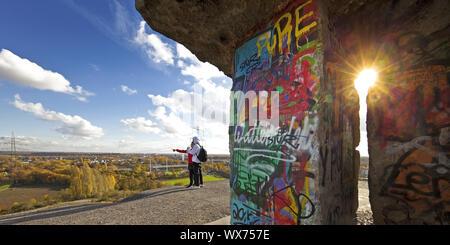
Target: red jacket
(189, 155)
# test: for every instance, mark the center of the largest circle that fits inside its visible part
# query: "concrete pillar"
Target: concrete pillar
(305, 170)
(408, 129)
(408, 122)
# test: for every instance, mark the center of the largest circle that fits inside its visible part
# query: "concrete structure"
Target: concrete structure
(310, 51)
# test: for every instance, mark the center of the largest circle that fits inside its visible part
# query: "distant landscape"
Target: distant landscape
(364, 168)
(30, 180)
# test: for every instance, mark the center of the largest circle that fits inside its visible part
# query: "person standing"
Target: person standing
(190, 166)
(196, 163)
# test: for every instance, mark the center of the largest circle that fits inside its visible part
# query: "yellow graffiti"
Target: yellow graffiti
(303, 204)
(266, 37)
(293, 208)
(285, 33)
(298, 20)
(279, 34)
(271, 47)
(303, 5)
(305, 29)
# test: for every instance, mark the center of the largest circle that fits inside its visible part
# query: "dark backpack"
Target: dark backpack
(202, 155)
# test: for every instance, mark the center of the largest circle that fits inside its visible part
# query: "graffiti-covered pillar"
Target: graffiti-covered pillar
(408, 129)
(409, 146)
(293, 132)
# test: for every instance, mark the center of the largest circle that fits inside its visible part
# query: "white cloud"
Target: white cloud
(94, 67)
(179, 101)
(128, 90)
(178, 116)
(196, 68)
(202, 71)
(64, 144)
(24, 143)
(140, 124)
(157, 50)
(170, 123)
(24, 72)
(180, 63)
(73, 126)
(185, 53)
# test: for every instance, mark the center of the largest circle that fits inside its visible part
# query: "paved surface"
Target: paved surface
(165, 206)
(364, 213)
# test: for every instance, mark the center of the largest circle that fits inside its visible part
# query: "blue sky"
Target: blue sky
(91, 76)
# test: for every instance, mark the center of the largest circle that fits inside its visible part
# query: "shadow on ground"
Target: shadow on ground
(10, 219)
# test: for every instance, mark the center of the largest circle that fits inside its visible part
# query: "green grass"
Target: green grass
(185, 181)
(4, 187)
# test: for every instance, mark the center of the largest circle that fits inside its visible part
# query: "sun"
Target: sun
(365, 80)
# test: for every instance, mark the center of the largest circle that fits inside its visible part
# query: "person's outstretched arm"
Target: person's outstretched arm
(180, 151)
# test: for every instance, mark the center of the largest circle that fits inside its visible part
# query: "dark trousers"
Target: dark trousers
(197, 169)
(191, 173)
(201, 176)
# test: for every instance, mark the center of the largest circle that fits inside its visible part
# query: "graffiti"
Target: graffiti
(250, 64)
(416, 108)
(414, 127)
(282, 33)
(300, 139)
(242, 213)
(413, 49)
(274, 167)
(421, 179)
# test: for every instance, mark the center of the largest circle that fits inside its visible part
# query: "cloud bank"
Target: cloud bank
(24, 72)
(73, 126)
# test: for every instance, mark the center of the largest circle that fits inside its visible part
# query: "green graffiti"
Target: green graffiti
(279, 89)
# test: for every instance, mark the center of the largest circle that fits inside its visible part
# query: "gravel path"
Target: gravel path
(165, 206)
(364, 213)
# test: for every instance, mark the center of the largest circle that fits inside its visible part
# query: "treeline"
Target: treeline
(40, 172)
(87, 182)
(82, 179)
(221, 169)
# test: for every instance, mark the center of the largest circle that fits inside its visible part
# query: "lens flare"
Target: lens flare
(365, 80)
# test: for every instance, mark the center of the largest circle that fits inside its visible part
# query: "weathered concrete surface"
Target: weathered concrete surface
(210, 29)
(409, 147)
(406, 41)
(408, 109)
(308, 175)
(213, 29)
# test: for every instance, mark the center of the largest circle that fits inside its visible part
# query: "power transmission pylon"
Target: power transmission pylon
(13, 146)
(13, 155)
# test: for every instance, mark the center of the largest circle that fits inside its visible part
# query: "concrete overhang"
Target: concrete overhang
(213, 29)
